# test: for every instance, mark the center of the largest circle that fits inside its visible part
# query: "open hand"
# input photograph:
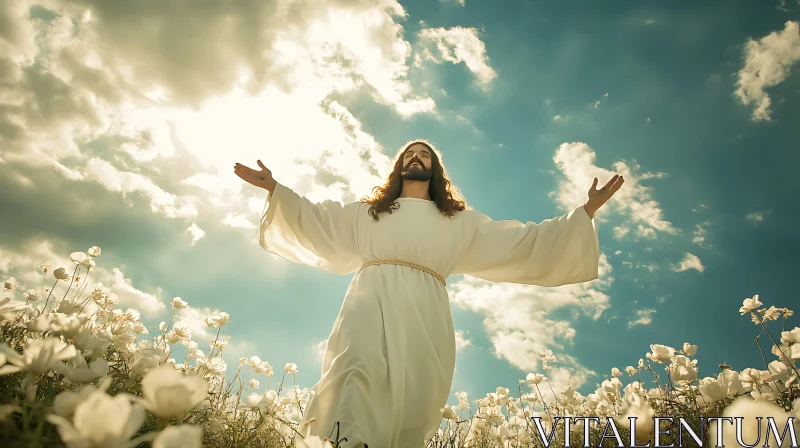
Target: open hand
(599, 197)
(262, 178)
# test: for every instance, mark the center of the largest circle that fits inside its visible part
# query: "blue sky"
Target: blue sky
(123, 135)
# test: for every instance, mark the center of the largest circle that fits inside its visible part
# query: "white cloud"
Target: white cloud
(689, 261)
(561, 119)
(456, 45)
(596, 104)
(700, 234)
(461, 341)
(460, 2)
(320, 348)
(24, 264)
(755, 218)
(118, 107)
(643, 316)
(126, 182)
(620, 231)
(767, 63)
(576, 161)
(130, 296)
(519, 318)
(196, 233)
(238, 220)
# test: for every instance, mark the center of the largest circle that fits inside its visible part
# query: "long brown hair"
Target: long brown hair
(442, 192)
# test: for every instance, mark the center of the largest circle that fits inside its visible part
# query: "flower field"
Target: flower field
(76, 371)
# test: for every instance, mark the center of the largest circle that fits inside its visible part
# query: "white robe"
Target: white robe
(390, 357)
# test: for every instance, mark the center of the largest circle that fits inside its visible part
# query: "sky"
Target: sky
(120, 123)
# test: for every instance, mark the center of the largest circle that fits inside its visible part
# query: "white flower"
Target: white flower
(39, 356)
(260, 366)
(178, 303)
(660, 353)
(750, 376)
(750, 304)
(82, 259)
(40, 324)
(791, 337)
(254, 383)
(765, 392)
(682, 369)
(139, 328)
(771, 313)
(754, 416)
(610, 389)
(147, 359)
(218, 320)
(291, 368)
(60, 274)
(448, 413)
(213, 366)
(182, 436)
(534, 378)
(11, 284)
(83, 372)
(78, 257)
(252, 401)
(191, 346)
(730, 381)
(221, 344)
(94, 251)
(92, 345)
(65, 403)
(712, 390)
(100, 421)
(169, 393)
(173, 337)
(66, 325)
(689, 349)
(615, 372)
(182, 330)
(630, 370)
(779, 370)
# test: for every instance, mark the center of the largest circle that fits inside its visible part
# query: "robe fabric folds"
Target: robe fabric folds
(390, 357)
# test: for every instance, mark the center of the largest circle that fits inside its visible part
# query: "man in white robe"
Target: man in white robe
(390, 357)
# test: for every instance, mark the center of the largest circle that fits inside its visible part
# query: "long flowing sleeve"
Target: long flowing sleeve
(315, 234)
(555, 252)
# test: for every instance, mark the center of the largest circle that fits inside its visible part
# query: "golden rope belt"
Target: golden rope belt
(405, 263)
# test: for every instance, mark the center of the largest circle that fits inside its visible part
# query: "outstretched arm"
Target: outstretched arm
(292, 227)
(555, 252)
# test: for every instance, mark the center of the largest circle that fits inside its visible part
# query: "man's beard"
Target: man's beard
(417, 173)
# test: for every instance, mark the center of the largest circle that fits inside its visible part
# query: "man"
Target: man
(390, 358)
